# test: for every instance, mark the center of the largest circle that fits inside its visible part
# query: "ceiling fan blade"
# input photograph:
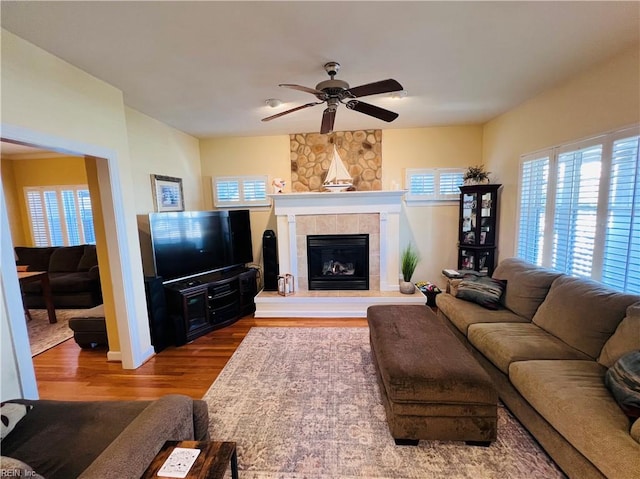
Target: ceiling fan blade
(372, 110)
(328, 119)
(383, 86)
(319, 93)
(282, 113)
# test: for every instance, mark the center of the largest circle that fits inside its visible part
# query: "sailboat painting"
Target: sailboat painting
(338, 178)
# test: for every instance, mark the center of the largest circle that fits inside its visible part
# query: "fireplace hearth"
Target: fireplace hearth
(338, 262)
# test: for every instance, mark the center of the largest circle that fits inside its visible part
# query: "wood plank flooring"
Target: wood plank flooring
(67, 372)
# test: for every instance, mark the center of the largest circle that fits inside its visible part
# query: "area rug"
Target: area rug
(304, 403)
(43, 335)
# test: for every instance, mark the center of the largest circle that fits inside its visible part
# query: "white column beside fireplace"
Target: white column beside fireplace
(378, 214)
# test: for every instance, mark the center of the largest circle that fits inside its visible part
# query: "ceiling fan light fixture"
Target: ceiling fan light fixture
(273, 102)
(397, 95)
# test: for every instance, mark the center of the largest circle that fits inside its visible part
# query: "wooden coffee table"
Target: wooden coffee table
(42, 276)
(211, 463)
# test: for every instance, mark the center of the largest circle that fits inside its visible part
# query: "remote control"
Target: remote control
(179, 462)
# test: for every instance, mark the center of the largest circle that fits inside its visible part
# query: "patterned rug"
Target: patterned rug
(43, 335)
(304, 403)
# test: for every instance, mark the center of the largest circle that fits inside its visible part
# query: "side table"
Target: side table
(211, 463)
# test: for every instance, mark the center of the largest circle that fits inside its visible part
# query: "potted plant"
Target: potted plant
(409, 261)
(476, 175)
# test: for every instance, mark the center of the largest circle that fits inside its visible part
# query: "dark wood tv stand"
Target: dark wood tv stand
(210, 301)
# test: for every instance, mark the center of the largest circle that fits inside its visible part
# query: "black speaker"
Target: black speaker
(270, 259)
(159, 326)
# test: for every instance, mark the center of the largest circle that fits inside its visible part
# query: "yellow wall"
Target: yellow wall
(262, 155)
(12, 197)
(433, 229)
(604, 98)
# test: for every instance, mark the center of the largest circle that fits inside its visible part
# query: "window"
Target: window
(231, 191)
(60, 215)
(580, 207)
(435, 184)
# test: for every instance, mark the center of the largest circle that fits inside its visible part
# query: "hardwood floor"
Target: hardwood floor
(67, 372)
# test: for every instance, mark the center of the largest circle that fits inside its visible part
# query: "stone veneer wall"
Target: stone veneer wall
(364, 223)
(361, 152)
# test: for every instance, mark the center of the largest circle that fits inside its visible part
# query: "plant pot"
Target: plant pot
(407, 287)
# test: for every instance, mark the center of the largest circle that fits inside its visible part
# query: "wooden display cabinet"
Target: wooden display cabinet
(478, 228)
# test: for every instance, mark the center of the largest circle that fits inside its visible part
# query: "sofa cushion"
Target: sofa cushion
(504, 343)
(572, 397)
(36, 258)
(89, 258)
(582, 313)
(464, 313)
(528, 285)
(482, 290)
(65, 259)
(625, 339)
(623, 380)
(68, 283)
(10, 415)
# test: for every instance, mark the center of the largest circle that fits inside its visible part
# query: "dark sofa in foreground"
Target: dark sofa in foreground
(548, 347)
(101, 439)
(73, 274)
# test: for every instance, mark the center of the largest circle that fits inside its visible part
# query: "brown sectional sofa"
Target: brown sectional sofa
(547, 348)
(73, 274)
(100, 439)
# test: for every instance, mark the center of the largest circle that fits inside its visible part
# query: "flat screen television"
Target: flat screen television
(189, 243)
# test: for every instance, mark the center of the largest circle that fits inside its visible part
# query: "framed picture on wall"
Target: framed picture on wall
(167, 193)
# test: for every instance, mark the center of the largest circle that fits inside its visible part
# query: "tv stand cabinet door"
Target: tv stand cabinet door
(190, 313)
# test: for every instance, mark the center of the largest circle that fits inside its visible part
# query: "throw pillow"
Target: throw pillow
(625, 339)
(623, 380)
(482, 290)
(89, 258)
(635, 430)
(10, 414)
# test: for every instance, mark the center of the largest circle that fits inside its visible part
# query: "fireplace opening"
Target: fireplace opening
(338, 262)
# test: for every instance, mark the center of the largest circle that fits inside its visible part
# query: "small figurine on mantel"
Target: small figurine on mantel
(278, 185)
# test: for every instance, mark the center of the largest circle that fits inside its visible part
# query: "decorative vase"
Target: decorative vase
(474, 181)
(407, 287)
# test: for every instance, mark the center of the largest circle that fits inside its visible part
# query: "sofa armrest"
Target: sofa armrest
(170, 418)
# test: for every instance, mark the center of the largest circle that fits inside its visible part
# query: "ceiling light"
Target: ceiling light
(273, 102)
(396, 95)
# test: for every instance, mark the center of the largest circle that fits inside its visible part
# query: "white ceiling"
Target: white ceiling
(206, 68)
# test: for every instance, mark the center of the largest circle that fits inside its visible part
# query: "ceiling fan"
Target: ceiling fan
(334, 92)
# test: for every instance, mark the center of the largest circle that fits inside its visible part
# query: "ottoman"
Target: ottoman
(431, 386)
(89, 328)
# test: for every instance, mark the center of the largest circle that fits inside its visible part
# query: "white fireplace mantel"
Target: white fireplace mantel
(345, 202)
(387, 204)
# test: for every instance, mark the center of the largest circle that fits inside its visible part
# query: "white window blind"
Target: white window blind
(621, 263)
(434, 184)
(60, 215)
(579, 209)
(237, 191)
(534, 177)
(576, 205)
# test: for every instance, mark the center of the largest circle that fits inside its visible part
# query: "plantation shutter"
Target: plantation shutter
(576, 204)
(434, 184)
(621, 263)
(236, 191)
(60, 215)
(534, 179)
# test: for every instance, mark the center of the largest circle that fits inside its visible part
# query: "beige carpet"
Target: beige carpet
(43, 335)
(304, 403)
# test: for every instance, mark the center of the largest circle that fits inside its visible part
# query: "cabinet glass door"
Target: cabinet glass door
(469, 218)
